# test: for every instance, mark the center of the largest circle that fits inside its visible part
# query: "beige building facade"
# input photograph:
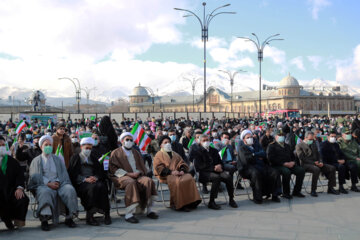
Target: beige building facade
(287, 95)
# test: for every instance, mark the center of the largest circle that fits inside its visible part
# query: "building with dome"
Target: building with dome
(288, 94)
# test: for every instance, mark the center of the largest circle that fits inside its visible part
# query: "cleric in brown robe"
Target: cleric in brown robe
(170, 168)
(128, 172)
(13, 201)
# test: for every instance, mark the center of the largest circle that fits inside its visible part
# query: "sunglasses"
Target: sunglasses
(128, 140)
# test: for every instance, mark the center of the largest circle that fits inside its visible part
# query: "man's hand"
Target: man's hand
(358, 159)
(91, 179)
(19, 193)
(181, 173)
(233, 163)
(218, 168)
(133, 175)
(320, 165)
(175, 173)
(289, 164)
(53, 185)
(342, 161)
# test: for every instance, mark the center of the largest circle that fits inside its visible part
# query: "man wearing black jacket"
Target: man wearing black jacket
(332, 155)
(13, 201)
(282, 159)
(210, 167)
(87, 176)
(176, 146)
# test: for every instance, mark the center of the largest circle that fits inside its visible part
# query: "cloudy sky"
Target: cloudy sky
(114, 45)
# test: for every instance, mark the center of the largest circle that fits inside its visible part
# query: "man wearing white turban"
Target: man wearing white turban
(128, 172)
(253, 165)
(50, 182)
(87, 176)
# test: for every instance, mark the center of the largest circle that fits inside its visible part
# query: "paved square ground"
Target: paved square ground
(326, 217)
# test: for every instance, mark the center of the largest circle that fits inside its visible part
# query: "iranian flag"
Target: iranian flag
(140, 137)
(21, 125)
(60, 152)
(297, 139)
(104, 160)
(206, 131)
(191, 142)
(222, 152)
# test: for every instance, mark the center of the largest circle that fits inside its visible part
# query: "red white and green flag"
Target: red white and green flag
(191, 142)
(222, 152)
(206, 131)
(60, 152)
(21, 125)
(104, 160)
(140, 137)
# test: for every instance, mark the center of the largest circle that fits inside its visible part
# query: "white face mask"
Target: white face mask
(332, 140)
(74, 140)
(167, 147)
(206, 145)
(249, 141)
(128, 144)
(3, 151)
(214, 134)
(86, 152)
(281, 139)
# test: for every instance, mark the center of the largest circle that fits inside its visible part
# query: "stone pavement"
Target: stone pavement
(326, 217)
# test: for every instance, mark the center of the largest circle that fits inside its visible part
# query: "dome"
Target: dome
(289, 81)
(139, 91)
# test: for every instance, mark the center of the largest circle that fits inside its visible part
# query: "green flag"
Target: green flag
(222, 152)
(191, 142)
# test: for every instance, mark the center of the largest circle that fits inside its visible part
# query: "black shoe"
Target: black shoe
(185, 209)
(342, 190)
(287, 196)
(299, 195)
(213, 205)
(107, 220)
(70, 223)
(91, 221)
(333, 191)
(314, 194)
(275, 199)
(256, 201)
(354, 188)
(239, 186)
(45, 226)
(152, 215)
(233, 204)
(9, 225)
(205, 190)
(132, 220)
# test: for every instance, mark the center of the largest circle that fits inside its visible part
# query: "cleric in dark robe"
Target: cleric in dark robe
(13, 201)
(88, 178)
(50, 182)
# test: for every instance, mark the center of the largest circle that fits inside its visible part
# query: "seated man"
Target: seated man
(226, 151)
(170, 168)
(332, 155)
(210, 167)
(88, 178)
(49, 181)
(252, 165)
(176, 146)
(128, 172)
(310, 160)
(13, 201)
(283, 160)
(350, 148)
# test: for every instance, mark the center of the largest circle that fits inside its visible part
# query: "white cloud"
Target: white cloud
(276, 55)
(298, 62)
(95, 41)
(350, 73)
(315, 61)
(316, 6)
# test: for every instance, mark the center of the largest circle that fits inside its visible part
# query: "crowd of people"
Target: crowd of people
(59, 162)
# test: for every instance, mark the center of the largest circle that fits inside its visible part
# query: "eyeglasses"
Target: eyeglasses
(128, 140)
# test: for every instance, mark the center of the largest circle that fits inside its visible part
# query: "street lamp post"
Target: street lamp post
(231, 78)
(260, 49)
(193, 82)
(87, 93)
(77, 90)
(207, 18)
